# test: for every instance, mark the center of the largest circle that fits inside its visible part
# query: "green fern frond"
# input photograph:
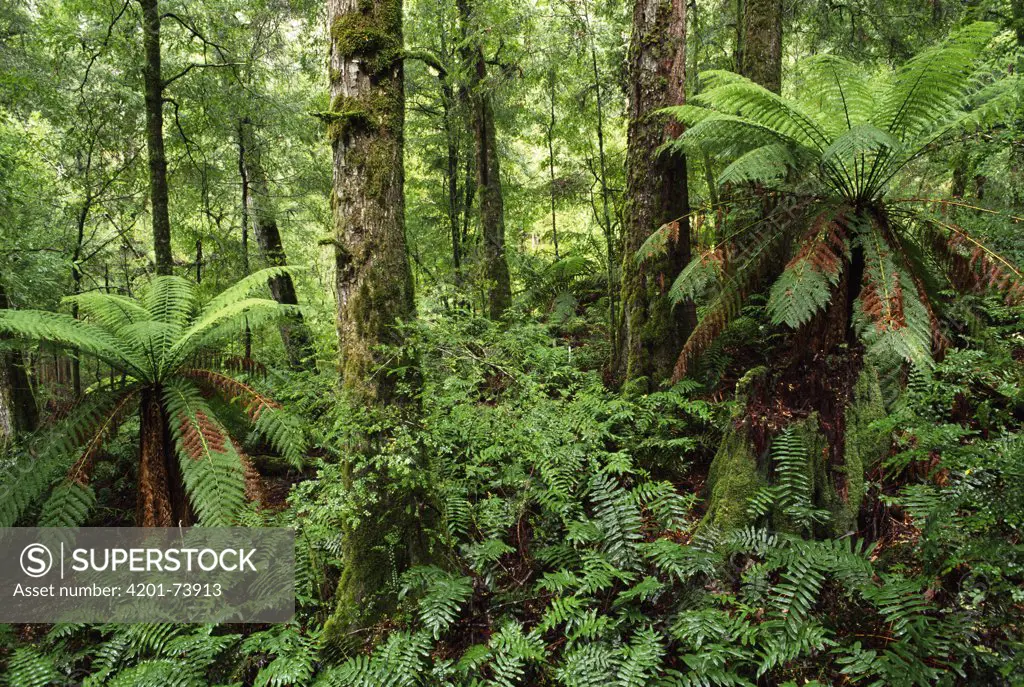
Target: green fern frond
(805, 285)
(248, 285)
(888, 316)
(64, 330)
(68, 506)
(170, 299)
(766, 165)
(33, 474)
(617, 516)
(441, 596)
(284, 431)
(111, 311)
(728, 92)
(211, 467)
(216, 324)
(933, 82)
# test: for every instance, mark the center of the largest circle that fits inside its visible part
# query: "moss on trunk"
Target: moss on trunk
(734, 475)
(374, 292)
(653, 331)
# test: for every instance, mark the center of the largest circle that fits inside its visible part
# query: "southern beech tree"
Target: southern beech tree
(759, 42)
(656, 194)
(373, 283)
(491, 201)
(154, 85)
(855, 272)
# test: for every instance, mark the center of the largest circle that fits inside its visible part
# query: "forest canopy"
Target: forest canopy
(645, 343)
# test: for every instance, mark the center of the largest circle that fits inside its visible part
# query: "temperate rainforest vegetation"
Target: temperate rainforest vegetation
(607, 343)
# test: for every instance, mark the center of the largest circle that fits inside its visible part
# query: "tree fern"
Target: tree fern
(841, 146)
(154, 341)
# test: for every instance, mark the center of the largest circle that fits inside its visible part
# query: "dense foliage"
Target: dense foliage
(445, 401)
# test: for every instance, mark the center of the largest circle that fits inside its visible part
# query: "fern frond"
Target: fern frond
(64, 330)
(169, 299)
(728, 92)
(971, 266)
(617, 516)
(30, 667)
(441, 596)
(834, 80)
(730, 298)
(225, 322)
(283, 430)
(658, 243)
(699, 275)
(211, 467)
(933, 82)
(32, 475)
(247, 285)
(805, 286)
(68, 506)
(111, 311)
(765, 165)
(888, 317)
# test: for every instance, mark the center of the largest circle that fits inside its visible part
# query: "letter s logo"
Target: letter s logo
(36, 560)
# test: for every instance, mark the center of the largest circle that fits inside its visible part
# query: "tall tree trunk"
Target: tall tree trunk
(244, 174)
(552, 74)
(452, 179)
(298, 343)
(656, 190)
(19, 410)
(488, 172)
(606, 222)
(155, 136)
(759, 42)
(374, 289)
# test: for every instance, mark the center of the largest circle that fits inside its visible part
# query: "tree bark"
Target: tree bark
(154, 505)
(488, 172)
(21, 415)
(656, 190)
(155, 137)
(759, 42)
(295, 335)
(374, 289)
(552, 77)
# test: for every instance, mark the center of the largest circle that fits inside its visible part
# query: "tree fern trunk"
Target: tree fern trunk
(21, 410)
(153, 505)
(820, 385)
(656, 191)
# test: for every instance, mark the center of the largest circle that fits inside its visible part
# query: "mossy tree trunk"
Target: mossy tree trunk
(759, 42)
(488, 169)
(295, 335)
(154, 98)
(374, 290)
(652, 331)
